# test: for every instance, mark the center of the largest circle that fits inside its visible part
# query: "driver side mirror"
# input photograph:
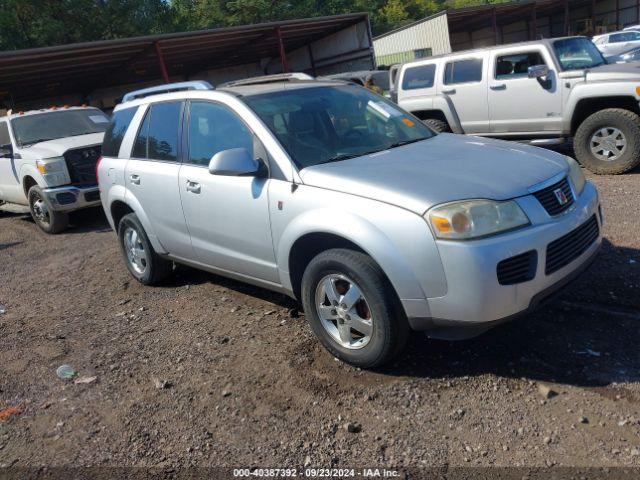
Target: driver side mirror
(235, 162)
(538, 71)
(6, 151)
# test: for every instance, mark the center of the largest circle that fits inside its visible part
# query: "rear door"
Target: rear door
(152, 175)
(464, 82)
(415, 84)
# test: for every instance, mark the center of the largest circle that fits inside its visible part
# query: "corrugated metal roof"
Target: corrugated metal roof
(84, 67)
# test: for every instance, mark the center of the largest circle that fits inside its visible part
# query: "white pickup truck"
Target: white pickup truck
(48, 162)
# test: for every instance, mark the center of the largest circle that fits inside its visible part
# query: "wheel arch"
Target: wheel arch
(27, 182)
(588, 106)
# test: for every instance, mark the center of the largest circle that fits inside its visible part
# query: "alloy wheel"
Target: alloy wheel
(136, 253)
(608, 144)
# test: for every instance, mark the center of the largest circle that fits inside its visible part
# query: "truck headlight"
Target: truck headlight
(577, 177)
(469, 219)
(50, 165)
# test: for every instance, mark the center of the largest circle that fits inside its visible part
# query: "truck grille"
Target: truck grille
(81, 164)
(518, 269)
(556, 198)
(566, 249)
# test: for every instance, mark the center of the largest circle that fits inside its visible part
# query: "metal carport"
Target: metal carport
(100, 71)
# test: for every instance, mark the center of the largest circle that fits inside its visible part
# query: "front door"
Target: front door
(152, 175)
(10, 188)
(510, 86)
(227, 216)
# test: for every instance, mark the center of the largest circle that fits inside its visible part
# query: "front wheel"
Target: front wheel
(608, 142)
(352, 308)
(45, 217)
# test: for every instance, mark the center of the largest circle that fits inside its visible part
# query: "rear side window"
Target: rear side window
(158, 136)
(419, 77)
(4, 134)
(463, 71)
(118, 126)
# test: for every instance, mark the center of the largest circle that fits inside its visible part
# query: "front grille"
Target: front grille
(549, 197)
(92, 196)
(566, 249)
(81, 164)
(518, 269)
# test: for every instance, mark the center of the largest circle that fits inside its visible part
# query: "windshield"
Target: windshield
(40, 127)
(577, 53)
(325, 124)
(381, 79)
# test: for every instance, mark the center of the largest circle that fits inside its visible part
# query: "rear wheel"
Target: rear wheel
(437, 125)
(608, 142)
(352, 308)
(142, 261)
(45, 217)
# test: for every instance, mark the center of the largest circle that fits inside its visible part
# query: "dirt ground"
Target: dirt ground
(205, 371)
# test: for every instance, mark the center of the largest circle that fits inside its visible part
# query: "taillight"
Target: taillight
(98, 168)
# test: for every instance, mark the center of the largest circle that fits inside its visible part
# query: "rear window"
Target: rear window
(118, 126)
(5, 139)
(158, 135)
(419, 77)
(463, 71)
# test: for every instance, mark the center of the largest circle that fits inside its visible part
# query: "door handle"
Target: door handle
(500, 86)
(449, 92)
(193, 187)
(135, 179)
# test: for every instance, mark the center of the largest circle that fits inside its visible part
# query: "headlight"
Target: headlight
(475, 218)
(576, 175)
(50, 165)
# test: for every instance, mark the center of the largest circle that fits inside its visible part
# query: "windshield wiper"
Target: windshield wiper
(345, 156)
(406, 142)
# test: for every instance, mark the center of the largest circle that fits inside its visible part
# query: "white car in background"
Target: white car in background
(616, 43)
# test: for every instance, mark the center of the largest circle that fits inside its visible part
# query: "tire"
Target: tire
(145, 265)
(387, 329)
(45, 217)
(608, 121)
(437, 125)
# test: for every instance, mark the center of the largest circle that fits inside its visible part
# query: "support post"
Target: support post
(566, 17)
(617, 14)
(593, 17)
(534, 22)
(494, 25)
(283, 55)
(163, 67)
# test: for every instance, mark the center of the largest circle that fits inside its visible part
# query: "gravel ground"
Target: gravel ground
(205, 371)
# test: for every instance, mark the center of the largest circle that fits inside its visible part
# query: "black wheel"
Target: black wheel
(49, 220)
(352, 308)
(143, 262)
(608, 142)
(437, 125)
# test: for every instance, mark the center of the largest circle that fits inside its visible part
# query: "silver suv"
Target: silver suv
(333, 195)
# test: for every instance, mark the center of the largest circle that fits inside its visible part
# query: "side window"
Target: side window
(4, 134)
(463, 71)
(419, 77)
(214, 128)
(158, 135)
(118, 126)
(516, 65)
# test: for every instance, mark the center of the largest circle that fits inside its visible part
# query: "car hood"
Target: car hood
(613, 71)
(441, 169)
(57, 147)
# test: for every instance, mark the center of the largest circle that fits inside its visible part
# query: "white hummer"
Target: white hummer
(544, 92)
(48, 162)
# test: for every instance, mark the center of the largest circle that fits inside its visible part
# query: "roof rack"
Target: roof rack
(167, 88)
(278, 77)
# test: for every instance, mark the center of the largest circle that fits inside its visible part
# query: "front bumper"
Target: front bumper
(476, 301)
(69, 198)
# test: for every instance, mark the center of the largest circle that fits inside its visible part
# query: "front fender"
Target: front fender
(29, 170)
(404, 249)
(596, 91)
